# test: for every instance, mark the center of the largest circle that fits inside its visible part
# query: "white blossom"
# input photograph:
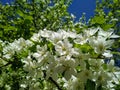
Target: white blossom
(63, 60)
(100, 44)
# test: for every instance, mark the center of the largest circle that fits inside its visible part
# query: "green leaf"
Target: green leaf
(117, 87)
(19, 12)
(90, 85)
(98, 20)
(1, 33)
(107, 26)
(115, 1)
(28, 17)
(7, 28)
(118, 11)
(99, 88)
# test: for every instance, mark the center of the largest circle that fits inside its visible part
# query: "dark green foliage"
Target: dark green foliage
(117, 87)
(90, 85)
(100, 87)
(23, 18)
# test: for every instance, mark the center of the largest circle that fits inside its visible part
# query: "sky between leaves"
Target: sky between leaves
(77, 8)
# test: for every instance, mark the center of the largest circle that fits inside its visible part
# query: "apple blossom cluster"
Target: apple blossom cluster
(67, 58)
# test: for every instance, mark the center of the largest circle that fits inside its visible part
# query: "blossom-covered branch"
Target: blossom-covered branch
(69, 59)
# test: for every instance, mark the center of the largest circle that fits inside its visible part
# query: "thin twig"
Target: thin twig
(56, 84)
(6, 64)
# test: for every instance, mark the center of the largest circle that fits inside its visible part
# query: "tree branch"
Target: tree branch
(54, 82)
(6, 64)
(34, 18)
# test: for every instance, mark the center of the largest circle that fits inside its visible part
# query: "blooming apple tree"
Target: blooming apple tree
(63, 60)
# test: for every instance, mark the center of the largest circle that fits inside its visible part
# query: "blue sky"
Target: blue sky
(77, 8)
(82, 6)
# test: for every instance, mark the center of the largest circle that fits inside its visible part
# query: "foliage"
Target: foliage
(23, 17)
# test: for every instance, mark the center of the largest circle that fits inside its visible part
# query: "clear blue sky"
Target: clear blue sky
(82, 6)
(77, 7)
